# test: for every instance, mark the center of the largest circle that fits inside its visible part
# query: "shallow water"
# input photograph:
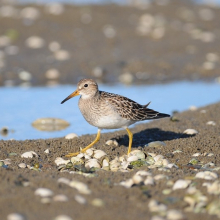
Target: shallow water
(21, 106)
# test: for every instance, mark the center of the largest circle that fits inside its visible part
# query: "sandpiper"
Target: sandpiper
(109, 111)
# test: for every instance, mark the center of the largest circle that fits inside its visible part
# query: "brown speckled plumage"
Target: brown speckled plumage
(110, 111)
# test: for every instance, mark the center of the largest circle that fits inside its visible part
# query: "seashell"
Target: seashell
(111, 142)
(127, 184)
(80, 155)
(171, 165)
(150, 160)
(76, 160)
(90, 151)
(60, 160)
(208, 175)
(181, 184)
(123, 158)
(43, 192)
(210, 155)
(165, 162)
(211, 123)
(97, 202)
(143, 173)
(47, 151)
(63, 180)
(105, 163)
(98, 154)
(52, 74)
(155, 206)
(160, 177)
(29, 154)
(190, 131)
(35, 42)
(62, 217)
(115, 166)
(81, 187)
(194, 161)
(6, 161)
(80, 199)
(132, 158)
(60, 198)
(156, 144)
(25, 76)
(196, 154)
(15, 216)
(158, 157)
(92, 163)
(177, 151)
(22, 165)
(141, 155)
(62, 55)
(137, 179)
(124, 165)
(152, 154)
(54, 46)
(71, 136)
(173, 214)
(149, 181)
(214, 188)
(159, 163)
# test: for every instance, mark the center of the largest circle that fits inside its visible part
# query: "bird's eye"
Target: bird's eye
(86, 85)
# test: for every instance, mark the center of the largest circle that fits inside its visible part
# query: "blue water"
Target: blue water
(21, 106)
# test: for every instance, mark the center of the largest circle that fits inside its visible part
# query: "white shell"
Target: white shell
(156, 144)
(211, 123)
(165, 162)
(196, 154)
(127, 184)
(63, 180)
(71, 136)
(22, 165)
(149, 181)
(63, 217)
(60, 198)
(80, 199)
(60, 160)
(137, 179)
(214, 188)
(47, 151)
(158, 157)
(98, 154)
(43, 192)
(105, 163)
(207, 175)
(143, 173)
(132, 158)
(15, 216)
(190, 131)
(90, 151)
(181, 184)
(29, 154)
(155, 206)
(35, 42)
(81, 187)
(160, 176)
(173, 214)
(110, 142)
(92, 163)
(76, 159)
(138, 153)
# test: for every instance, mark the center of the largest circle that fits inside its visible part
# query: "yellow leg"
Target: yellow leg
(130, 135)
(86, 148)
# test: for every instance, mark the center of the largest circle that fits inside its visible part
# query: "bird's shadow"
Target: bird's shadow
(153, 134)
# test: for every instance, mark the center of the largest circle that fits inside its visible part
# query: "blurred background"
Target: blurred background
(166, 51)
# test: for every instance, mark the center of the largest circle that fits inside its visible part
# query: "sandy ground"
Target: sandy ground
(118, 202)
(112, 43)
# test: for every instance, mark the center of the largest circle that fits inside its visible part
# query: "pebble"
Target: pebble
(29, 154)
(43, 192)
(173, 214)
(98, 154)
(138, 153)
(208, 175)
(24, 75)
(193, 108)
(137, 179)
(81, 187)
(214, 188)
(30, 13)
(190, 131)
(71, 136)
(109, 31)
(98, 72)
(143, 173)
(126, 78)
(63, 180)
(62, 217)
(155, 206)
(15, 216)
(54, 46)
(92, 163)
(208, 65)
(181, 184)
(158, 157)
(160, 177)
(149, 181)
(110, 142)
(80, 199)
(22, 165)
(60, 198)
(157, 217)
(35, 42)
(127, 184)
(156, 144)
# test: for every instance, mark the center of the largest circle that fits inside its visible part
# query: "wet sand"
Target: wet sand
(118, 201)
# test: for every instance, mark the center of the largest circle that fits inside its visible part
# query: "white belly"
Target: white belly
(107, 122)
